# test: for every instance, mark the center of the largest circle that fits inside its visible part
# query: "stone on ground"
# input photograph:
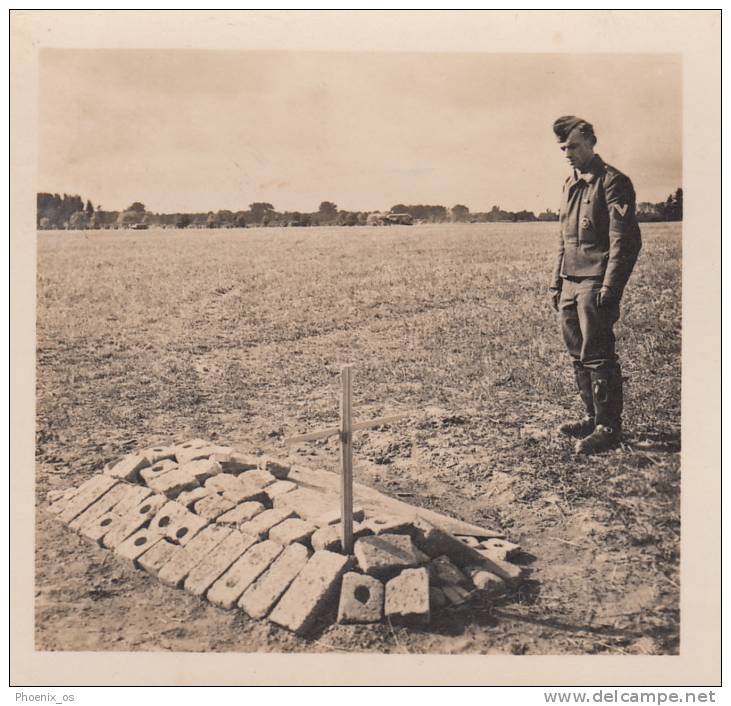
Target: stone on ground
(199, 547)
(407, 597)
(437, 599)
(212, 506)
(485, 580)
(173, 482)
(469, 541)
(134, 520)
(244, 571)
(279, 469)
(384, 524)
(202, 469)
(311, 592)
(308, 504)
(241, 513)
(292, 530)
(189, 497)
(87, 493)
(443, 571)
(137, 544)
(156, 469)
(261, 596)
(205, 574)
(261, 525)
(279, 488)
(160, 554)
(128, 467)
(500, 548)
(361, 599)
(385, 555)
(176, 523)
(456, 595)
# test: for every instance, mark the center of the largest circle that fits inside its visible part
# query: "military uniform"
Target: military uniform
(599, 241)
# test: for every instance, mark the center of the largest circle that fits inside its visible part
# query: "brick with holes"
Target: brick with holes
(193, 553)
(158, 555)
(292, 530)
(240, 514)
(137, 544)
(87, 494)
(263, 523)
(212, 506)
(156, 469)
(132, 521)
(361, 599)
(202, 469)
(127, 468)
(173, 482)
(176, 523)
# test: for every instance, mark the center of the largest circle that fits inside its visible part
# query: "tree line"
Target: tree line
(69, 212)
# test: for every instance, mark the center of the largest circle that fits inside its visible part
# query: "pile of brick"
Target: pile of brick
(241, 531)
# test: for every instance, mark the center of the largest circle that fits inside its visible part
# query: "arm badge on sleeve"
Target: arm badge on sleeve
(621, 210)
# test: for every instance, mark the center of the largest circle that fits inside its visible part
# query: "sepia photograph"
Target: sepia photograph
(357, 351)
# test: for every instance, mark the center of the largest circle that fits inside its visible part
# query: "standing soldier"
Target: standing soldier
(598, 245)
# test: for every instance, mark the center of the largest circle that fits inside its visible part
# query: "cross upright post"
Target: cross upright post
(346, 454)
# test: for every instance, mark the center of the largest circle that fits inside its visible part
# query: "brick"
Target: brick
(501, 549)
(173, 482)
(185, 446)
(292, 530)
(257, 477)
(87, 493)
(244, 571)
(137, 544)
(185, 456)
(279, 488)
(469, 541)
(456, 595)
(193, 553)
(308, 504)
(278, 469)
(238, 462)
(437, 599)
(189, 497)
(332, 517)
(54, 496)
(205, 574)
(101, 506)
(330, 536)
(435, 542)
(158, 453)
(407, 597)
(246, 492)
(176, 523)
(385, 555)
(59, 505)
(311, 592)
(384, 524)
(202, 469)
(504, 569)
(361, 599)
(96, 525)
(158, 555)
(222, 482)
(128, 467)
(443, 571)
(100, 527)
(261, 596)
(212, 506)
(156, 469)
(240, 514)
(134, 520)
(485, 581)
(262, 523)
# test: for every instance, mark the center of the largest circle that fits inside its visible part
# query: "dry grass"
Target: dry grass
(241, 333)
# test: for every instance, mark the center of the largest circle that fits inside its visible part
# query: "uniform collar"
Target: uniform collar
(595, 169)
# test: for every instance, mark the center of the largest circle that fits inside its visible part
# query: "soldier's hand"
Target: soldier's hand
(606, 297)
(554, 295)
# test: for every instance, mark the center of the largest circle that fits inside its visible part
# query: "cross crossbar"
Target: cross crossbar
(357, 426)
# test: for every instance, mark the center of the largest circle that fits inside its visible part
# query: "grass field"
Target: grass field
(239, 335)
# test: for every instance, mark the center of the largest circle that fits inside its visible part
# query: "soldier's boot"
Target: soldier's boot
(582, 427)
(608, 403)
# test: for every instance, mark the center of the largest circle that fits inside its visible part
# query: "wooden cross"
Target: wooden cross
(345, 431)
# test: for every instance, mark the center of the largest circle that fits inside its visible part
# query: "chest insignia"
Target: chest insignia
(585, 223)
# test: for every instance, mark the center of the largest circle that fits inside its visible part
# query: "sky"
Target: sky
(198, 131)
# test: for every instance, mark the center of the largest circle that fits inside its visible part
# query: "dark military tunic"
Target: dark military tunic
(598, 236)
